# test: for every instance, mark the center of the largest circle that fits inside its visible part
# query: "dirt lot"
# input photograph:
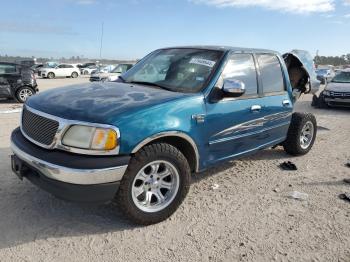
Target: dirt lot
(249, 217)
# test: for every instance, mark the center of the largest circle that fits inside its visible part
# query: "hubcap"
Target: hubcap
(155, 186)
(307, 134)
(24, 94)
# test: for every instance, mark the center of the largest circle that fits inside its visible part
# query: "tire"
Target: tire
(301, 124)
(314, 102)
(50, 75)
(86, 72)
(23, 93)
(74, 75)
(129, 197)
(321, 103)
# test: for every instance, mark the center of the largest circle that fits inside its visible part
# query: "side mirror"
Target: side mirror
(233, 87)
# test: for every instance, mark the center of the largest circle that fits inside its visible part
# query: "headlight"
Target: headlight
(88, 137)
(326, 93)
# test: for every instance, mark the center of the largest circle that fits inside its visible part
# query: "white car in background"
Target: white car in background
(61, 70)
(88, 70)
(111, 76)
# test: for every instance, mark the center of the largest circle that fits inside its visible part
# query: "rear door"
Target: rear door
(69, 70)
(232, 124)
(9, 75)
(275, 101)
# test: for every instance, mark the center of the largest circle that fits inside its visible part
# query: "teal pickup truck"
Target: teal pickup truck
(178, 111)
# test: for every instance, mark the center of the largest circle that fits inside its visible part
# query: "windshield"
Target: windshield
(120, 69)
(342, 77)
(178, 69)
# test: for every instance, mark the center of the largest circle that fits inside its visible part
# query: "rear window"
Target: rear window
(7, 69)
(271, 73)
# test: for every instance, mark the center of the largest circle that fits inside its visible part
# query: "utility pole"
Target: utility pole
(101, 41)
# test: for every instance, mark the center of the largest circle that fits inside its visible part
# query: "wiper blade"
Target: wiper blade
(151, 84)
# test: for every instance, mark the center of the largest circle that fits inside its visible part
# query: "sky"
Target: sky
(132, 29)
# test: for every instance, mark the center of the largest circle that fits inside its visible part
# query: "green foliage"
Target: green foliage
(332, 60)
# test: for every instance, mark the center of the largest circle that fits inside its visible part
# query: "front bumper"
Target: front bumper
(341, 102)
(66, 175)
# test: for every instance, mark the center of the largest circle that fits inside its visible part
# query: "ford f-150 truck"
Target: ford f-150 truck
(178, 111)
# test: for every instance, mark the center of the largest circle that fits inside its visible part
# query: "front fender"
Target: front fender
(172, 118)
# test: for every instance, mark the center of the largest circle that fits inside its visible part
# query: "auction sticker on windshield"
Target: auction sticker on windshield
(201, 61)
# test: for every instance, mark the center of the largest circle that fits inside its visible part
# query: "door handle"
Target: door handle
(255, 108)
(286, 102)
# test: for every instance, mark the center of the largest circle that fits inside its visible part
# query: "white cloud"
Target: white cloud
(290, 6)
(346, 2)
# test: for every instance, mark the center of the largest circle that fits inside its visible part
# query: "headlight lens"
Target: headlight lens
(88, 137)
(326, 93)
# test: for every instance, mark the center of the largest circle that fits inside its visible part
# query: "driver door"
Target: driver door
(232, 124)
(61, 70)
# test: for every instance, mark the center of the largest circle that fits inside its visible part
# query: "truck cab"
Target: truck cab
(181, 110)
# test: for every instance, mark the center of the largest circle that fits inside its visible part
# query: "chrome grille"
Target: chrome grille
(339, 94)
(38, 128)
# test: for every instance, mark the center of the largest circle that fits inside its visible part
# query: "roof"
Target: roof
(226, 48)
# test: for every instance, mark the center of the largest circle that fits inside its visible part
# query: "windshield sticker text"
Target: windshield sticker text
(204, 62)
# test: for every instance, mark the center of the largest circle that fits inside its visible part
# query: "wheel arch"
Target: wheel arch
(180, 140)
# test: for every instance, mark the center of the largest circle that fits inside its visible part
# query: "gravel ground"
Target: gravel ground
(239, 211)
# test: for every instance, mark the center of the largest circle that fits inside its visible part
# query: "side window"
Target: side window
(7, 69)
(69, 66)
(242, 67)
(271, 73)
(62, 66)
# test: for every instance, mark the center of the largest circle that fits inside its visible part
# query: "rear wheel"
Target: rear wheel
(23, 93)
(74, 75)
(301, 134)
(154, 185)
(50, 75)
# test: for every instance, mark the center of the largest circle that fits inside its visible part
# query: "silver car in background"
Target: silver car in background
(336, 93)
(111, 76)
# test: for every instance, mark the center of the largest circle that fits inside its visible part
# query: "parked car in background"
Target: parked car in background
(113, 75)
(17, 81)
(61, 70)
(325, 75)
(36, 68)
(336, 93)
(137, 141)
(85, 65)
(88, 70)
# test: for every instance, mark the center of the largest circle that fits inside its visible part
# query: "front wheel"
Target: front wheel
(301, 134)
(50, 75)
(155, 184)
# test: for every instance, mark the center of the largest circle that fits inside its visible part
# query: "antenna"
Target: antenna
(101, 41)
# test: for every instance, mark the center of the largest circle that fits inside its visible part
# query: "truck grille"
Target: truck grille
(38, 128)
(340, 94)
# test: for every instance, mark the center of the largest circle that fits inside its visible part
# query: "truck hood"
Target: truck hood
(307, 63)
(338, 87)
(99, 102)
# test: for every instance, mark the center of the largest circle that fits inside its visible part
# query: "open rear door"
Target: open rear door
(301, 71)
